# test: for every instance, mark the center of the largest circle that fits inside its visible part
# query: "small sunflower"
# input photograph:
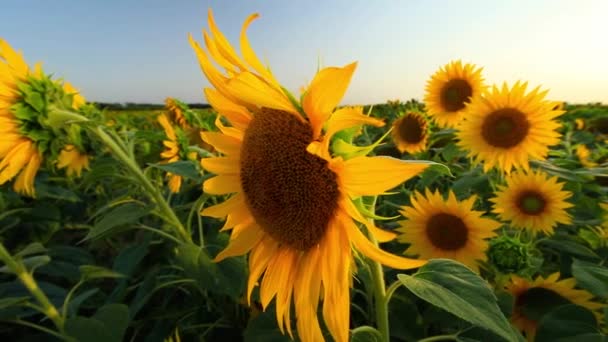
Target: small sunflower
(436, 228)
(449, 91)
(579, 123)
(533, 201)
(176, 111)
(73, 160)
(583, 154)
(533, 299)
(292, 208)
(507, 127)
(173, 151)
(410, 133)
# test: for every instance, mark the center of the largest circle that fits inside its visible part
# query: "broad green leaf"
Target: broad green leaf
(263, 327)
(77, 301)
(591, 277)
(226, 277)
(96, 272)
(453, 287)
(32, 248)
(115, 318)
(88, 330)
(115, 218)
(570, 247)
(568, 323)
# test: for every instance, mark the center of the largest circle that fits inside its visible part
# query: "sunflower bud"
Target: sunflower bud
(509, 255)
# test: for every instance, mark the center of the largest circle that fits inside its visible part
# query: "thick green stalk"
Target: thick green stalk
(166, 212)
(30, 284)
(380, 297)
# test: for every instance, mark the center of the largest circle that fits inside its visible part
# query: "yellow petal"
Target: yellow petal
(223, 143)
(238, 115)
(25, 181)
(14, 59)
(324, 94)
(222, 43)
(222, 165)
(249, 88)
(240, 245)
(373, 252)
(345, 118)
(367, 176)
(15, 160)
(221, 210)
(220, 185)
(250, 56)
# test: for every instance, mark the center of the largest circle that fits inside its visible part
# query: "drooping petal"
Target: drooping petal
(240, 245)
(324, 94)
(367, 176)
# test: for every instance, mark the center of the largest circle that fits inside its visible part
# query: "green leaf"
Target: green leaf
(116, 217)
(226, 277)
(365, 334)
(88, 330)
(591, 277)
(12, 301)
(456, 289)
(115, 318)
(32, 248)
(183, 168)
(570, 247)
(264, 327)
(77, 301)
(96, 272)
(568, 323)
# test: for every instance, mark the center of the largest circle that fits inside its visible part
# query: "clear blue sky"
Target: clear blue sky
(127, 50)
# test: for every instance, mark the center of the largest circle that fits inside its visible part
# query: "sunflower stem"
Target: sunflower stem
(47, 308)
(380, 295)
(153, 192)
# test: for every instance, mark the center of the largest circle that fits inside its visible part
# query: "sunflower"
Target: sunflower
(171, 153)
(410, 133)
(506, 127)
(19, 155)
(73, 160)
(292, 207)
(533, 299)
(533, 201)
(583, 154)
(449, 91)
(176, 111)
(436, 228)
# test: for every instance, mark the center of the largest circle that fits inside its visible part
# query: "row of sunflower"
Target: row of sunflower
(487, 202)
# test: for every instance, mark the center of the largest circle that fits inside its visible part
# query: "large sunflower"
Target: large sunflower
(532, 201)
(450, 89)
(410, 133)
(507, 127)
(533, 299)
(292, 207)
(19, 155)
(436, 228)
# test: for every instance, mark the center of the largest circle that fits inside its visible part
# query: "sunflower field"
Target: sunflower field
(479, 214)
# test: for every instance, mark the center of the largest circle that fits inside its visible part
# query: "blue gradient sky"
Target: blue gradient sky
(137, 51)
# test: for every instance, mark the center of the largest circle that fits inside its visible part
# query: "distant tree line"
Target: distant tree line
(142, 106)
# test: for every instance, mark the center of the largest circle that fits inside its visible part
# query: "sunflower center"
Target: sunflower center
(291, 193)
(410, 129)
(537, 301)
(505, 128)
(447, 232)
(531, 202)
(454, 94)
